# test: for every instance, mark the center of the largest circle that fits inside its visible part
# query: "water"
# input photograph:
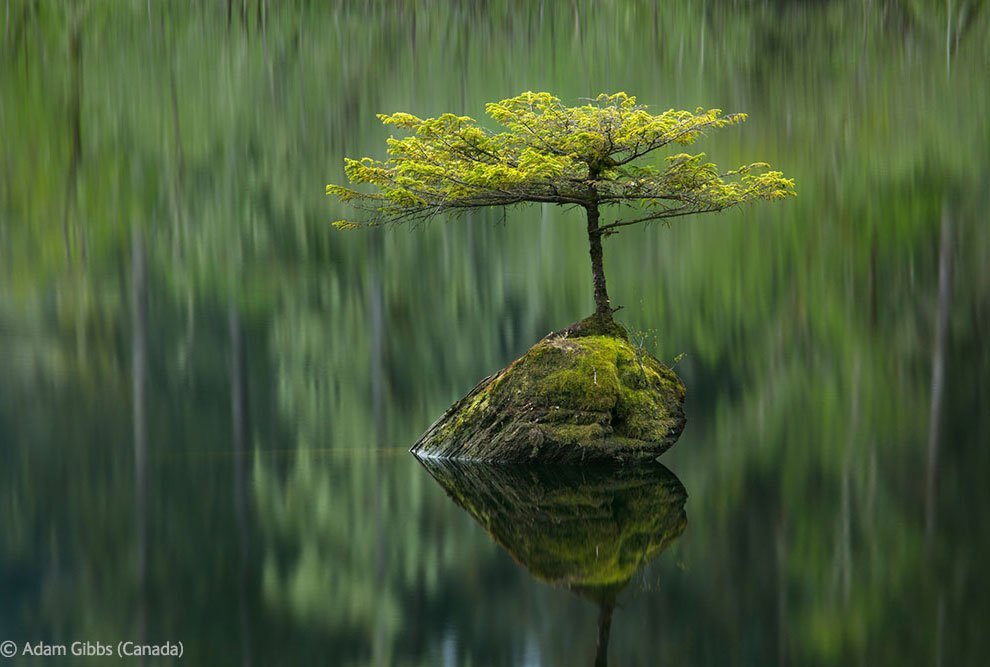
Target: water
(207, 394)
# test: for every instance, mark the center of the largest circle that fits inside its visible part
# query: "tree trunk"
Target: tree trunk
(602, 307)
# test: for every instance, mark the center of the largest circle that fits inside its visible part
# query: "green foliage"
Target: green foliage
(551, 153)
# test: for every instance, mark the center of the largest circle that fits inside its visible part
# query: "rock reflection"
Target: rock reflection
(587, 530)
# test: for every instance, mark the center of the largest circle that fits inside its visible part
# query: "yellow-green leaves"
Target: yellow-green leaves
(406, 121)
(551, 153)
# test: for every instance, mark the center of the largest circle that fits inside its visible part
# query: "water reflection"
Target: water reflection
(587, 530)
(170, 295)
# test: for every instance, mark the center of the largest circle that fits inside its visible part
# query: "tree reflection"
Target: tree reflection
(587, 530)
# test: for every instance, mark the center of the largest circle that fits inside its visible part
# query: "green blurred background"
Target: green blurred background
(206, 394)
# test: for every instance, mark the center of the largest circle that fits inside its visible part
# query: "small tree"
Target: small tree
(548, 153)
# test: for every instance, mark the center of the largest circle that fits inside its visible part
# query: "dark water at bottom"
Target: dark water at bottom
(365, 556)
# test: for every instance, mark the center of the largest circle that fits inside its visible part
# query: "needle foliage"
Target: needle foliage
(550, 153)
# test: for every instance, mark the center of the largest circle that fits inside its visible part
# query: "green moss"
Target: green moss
(576, 434)
(578, 390)
(587, 377)
(591, 392)
(639, 416)
(477, 404)
(596, 325)
(605, 374)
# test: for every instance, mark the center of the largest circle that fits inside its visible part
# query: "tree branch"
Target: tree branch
(665, 139)
(659, 215)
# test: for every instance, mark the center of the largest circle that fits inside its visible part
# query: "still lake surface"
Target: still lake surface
(206, 394)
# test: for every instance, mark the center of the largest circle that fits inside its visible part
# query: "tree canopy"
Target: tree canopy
(551, 153)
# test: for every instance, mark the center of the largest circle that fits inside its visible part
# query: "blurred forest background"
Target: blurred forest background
(207, 394)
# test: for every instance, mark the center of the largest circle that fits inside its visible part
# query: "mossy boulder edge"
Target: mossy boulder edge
(583, 394)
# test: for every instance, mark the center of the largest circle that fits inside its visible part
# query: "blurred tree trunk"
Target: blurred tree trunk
(239, 430)
(942, 309)
(74, 113)
(139, 366)
(604, 630)
(178, 176)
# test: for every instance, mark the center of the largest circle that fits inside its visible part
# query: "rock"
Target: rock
(584, 394)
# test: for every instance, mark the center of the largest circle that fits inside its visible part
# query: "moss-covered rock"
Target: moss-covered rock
(579, 395)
